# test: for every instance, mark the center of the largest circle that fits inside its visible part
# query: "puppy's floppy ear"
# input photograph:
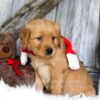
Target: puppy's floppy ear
(24, 37)
(61, 44)
(60, 41)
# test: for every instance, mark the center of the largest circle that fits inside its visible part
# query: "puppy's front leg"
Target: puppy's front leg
(57, 82)
(59, 66)
(38, 83)
(45, 75)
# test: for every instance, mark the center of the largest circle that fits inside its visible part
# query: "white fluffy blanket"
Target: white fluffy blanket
(29, 93)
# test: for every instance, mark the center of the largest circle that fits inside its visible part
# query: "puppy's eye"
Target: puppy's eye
(53, 38)
(39, 38)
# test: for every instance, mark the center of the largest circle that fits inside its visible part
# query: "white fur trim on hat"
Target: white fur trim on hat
(23, 58)
(73, 61)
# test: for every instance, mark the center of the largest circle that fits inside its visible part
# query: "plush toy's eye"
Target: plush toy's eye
(5, 49)
(7, 44)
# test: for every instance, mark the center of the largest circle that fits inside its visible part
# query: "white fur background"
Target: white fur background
(29, 93)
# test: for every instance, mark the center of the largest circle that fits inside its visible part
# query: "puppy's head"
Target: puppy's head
(41, 36)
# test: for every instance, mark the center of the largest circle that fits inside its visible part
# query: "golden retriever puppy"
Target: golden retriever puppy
(47, 52)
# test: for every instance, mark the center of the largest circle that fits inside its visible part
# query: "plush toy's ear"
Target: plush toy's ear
(9, 34)
(24, 36)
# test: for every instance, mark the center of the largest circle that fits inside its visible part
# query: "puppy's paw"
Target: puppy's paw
(73, 61)
(23, 58)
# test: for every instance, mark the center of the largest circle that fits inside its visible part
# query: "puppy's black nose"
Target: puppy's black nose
(49, 51)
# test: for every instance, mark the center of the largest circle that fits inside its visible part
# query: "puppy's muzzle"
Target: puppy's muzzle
(49, 51)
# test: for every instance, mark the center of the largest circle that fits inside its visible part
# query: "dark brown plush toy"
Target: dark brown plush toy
(11, 71)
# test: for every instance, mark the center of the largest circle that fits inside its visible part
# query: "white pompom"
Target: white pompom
(23, 58)
(73, 61)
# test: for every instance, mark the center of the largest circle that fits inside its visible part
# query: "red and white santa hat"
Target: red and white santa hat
(71, 55)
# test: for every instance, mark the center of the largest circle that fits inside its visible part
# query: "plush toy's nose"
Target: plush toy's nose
(5, 49)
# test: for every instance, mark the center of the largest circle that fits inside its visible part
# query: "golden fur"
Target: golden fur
(52, 69)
